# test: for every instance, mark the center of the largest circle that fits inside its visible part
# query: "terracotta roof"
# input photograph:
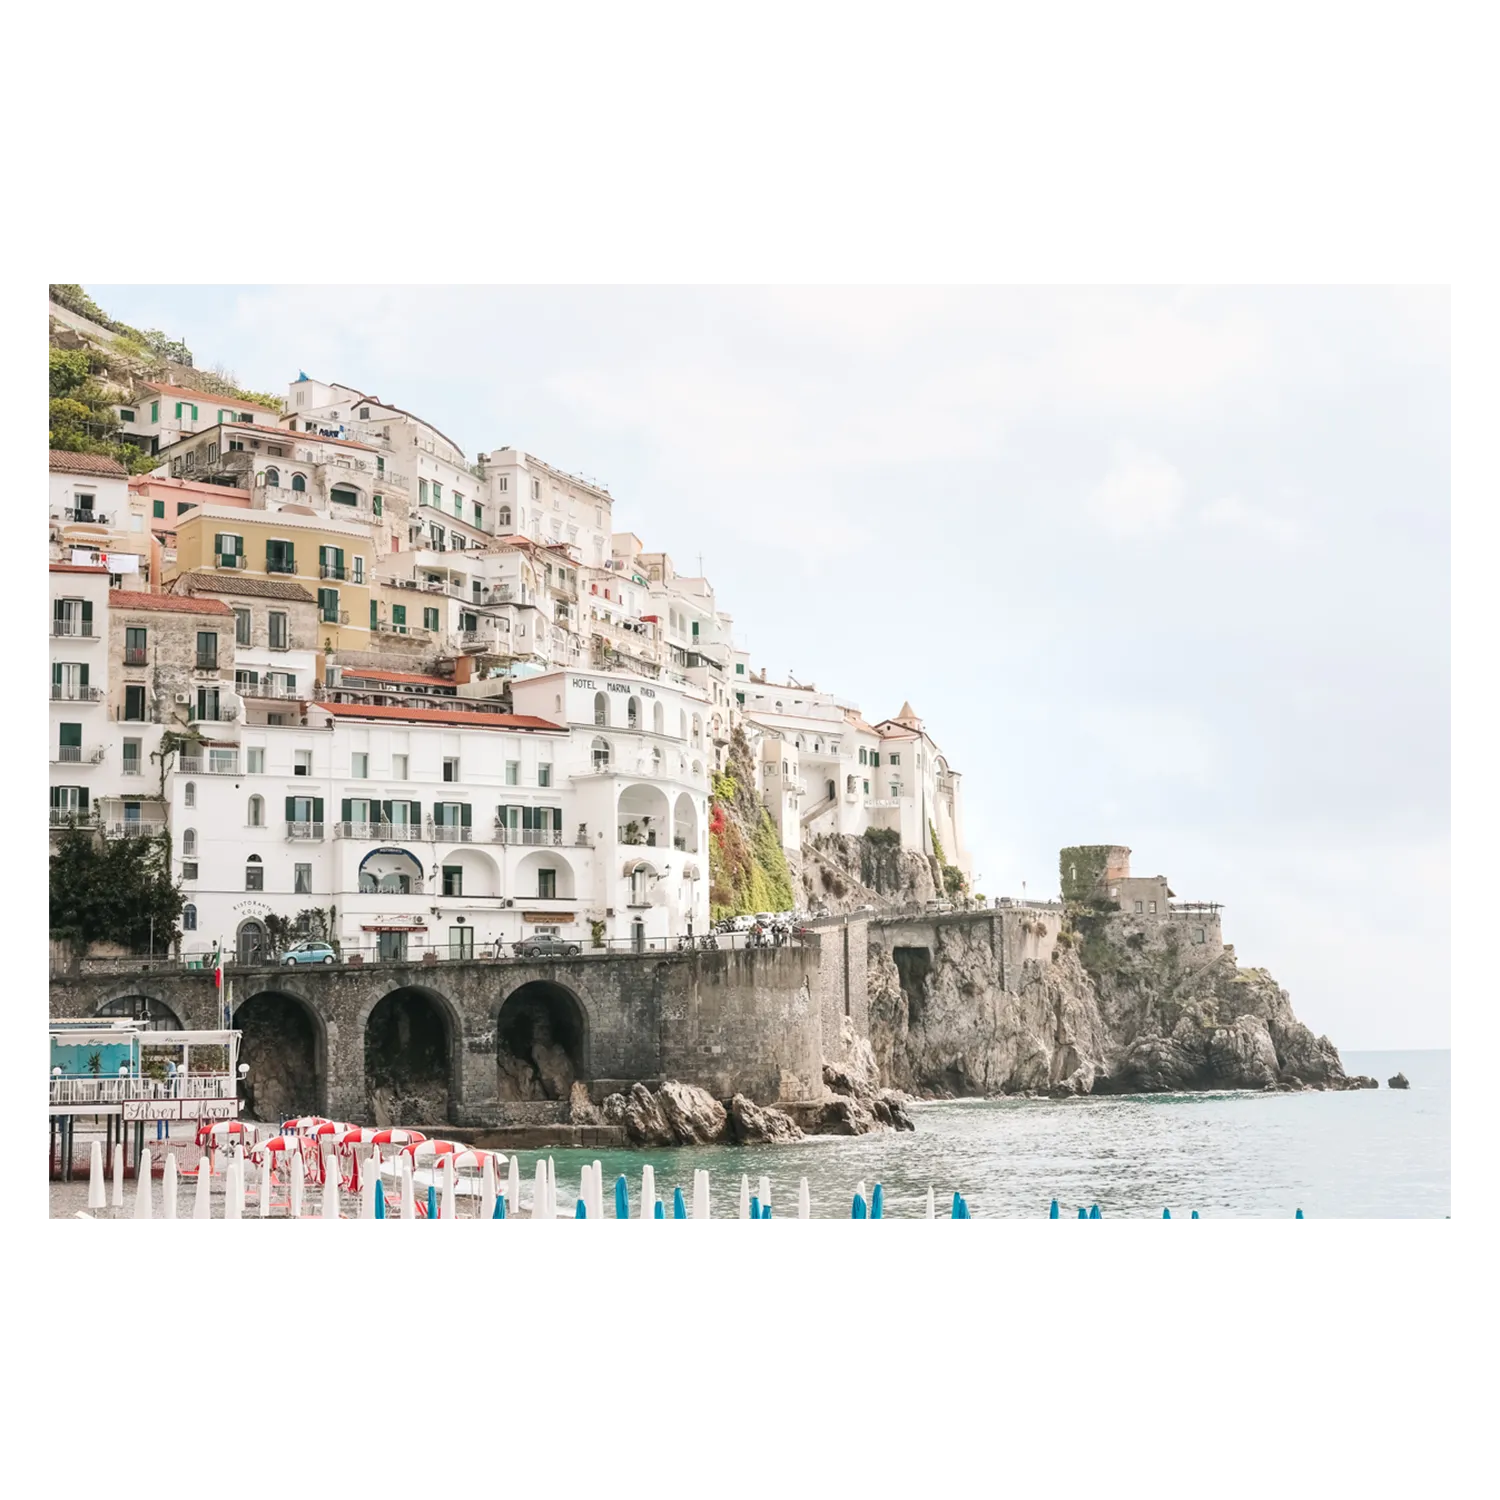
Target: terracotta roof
(167, 603)
(84, 463)
(74, 568)
(271, 434)
(470, 719)
(375, 674)
(146, 481)
(232, 583)
(181, 392)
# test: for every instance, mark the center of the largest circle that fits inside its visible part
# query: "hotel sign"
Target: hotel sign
(180, 1109)
(589, 684)
(550, 917)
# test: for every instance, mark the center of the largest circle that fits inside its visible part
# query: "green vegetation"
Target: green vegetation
(82, 417)
(883, 838)
(113, 890)
(955, 883)
(311, 922)
(746, 863)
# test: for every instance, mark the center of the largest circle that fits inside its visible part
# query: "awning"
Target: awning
(632, 865)
(689, 870)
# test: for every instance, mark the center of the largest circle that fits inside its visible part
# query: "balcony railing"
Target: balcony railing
(332, 570)
(135, 656)
(103, 1090)
(280, 565)
(304, 830)
(376, 832)
(206, 663)
(231, 560)
(134, 829)
(77, 629)
(74, 755)
(551, 837)
(212, 715)
(64, 692)
(450, 833)
(61, 817)
(85, 517)
(215, 765)
(266, 690)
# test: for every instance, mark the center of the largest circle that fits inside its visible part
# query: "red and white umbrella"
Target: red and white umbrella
(425, 1150)
(397, 1138)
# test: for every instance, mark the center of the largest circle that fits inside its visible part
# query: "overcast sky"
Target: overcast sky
(1160, 568)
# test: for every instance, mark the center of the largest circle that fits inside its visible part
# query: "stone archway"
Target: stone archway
(252, 944)
(150, 1012)
(541, 1043)
(282, 1042)
(409, 1058)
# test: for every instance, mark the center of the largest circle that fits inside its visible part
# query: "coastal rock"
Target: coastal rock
(1356, 1081)
(695, 1116)
(751, 1122)
(640, 1115)
(581, 1109)
(1400, 1081)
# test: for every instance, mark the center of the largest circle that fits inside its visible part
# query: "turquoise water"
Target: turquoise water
(1369, 1154)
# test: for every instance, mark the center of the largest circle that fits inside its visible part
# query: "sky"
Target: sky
(1158, 567)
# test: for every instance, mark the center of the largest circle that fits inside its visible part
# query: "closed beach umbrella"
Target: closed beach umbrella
(299, 1181)
(233, 1204)
(487, 1187)
(450, 1202)
(859, 1187)
(499, 1211)
(659, 1210)
(701, 1205)
(367, 1192)
(648, 1192)
(679, 1208)
(331, 1194)
(1094, 1212)
(1052, 1212)
(622, 1198)
(1166, 1213)
(1299, 1213)
(539, 1192)
(596, 1192)
(1195, 1213)
(765, 1197)
(239, 1184)
(143, 1186)
(858, 1211)
(98, 1196)
(877, 1203)
(379, 1199)
(117, 1166)
(581, 1209)
(408, 1189)
(755, 1208)
(932, 1203)
(169, 1187)
(551, 1188)
(586, 1187)
(200, 1193)
(957, 1210)
(744, 1196)
(1083, 1213)
(513, 1187)
(804, 1201)
(265, 1185)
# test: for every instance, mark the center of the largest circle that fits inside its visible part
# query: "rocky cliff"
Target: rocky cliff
(843, 873)
(1095, 1014)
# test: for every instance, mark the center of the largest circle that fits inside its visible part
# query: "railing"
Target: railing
(304, 830)
(72, 755)
(140, 829)
(61, 817)
(547, 837)
(112, 1090)
(275, 566)
(203, 663)
(379, 832)
(332, 570)
(129, 767)
(77, 630)
(212, 715)
(214, 766)
(231, 560)
(135, 656)
(63, 692)
(1195, 906)
(266, 690)
(85, 517)
(450, 833)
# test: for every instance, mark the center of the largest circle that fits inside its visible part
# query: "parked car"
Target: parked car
(310, 951)
(866, 907)
(546, 947)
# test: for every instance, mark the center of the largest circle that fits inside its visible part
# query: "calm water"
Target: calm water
(1367, 1154)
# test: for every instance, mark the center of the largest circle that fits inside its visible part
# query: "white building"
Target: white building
(159, 415)
(80, 733)
(90, 517)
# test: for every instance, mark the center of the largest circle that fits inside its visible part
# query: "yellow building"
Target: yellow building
(332, 558)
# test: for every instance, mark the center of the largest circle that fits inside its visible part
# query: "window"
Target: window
(536, 489)
(131, 757)
(421, 492)
(126, 415)
(601, 709)
(344, 497)
(512, 773)
(242, 627)
(184, 504)
(208, 650)
(155, 410)
(546, 884)
(1140, 906)
(190, 912)
(255, 761)
(280, 557)
(502, 484)
(864, 758)
(453, 880)
(429, 619)
(359, 570)
(328, 606)
(478, 514)
(398, 615)
(189, 836)
(1200, 935)
(187, 406)
(302, 880)
(208, 703)
(1152, 906)
(273, 478)
(867, 788)
(398, 767)
(739, 667)
(255, 813)
(159, 510)
(895, 757)
(460, 942)
(450, 768)
(600, 751)
(302, 763)
(359, 765)
(633, 713)
(255, 875)
(378, 505)
(437, 494)
(503, 519)
(299, 482)
(135, 704)
(544, 774)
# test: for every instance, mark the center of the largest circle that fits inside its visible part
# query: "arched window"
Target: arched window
(778, 705)
(601, 709)
(299, 482)
(367, 882)
(659, 718)
(600, 749)
(504, 516)
(190, 918)
(190, 795)
(189, 842)
(257, 811)
(273, 479)
(633, 713)
(656, 760)
(833, 790)
(255, 874)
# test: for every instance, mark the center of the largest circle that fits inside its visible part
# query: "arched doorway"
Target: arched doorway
(281, 1040)
(251, 943)
(409, 1059)
(150, 1013)
(540, 1042)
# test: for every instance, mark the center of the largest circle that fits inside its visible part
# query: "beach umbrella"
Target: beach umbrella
(744, 1196)
(659, 1210)
(622, 1198)
(1052, 1212)
(551, 1188)
(765, 1196)
(487, 1187)
(169, 1187)
(596, 1190)
(932, 1203)
(580, 1209)
(499, 1209)
(265, 1185)
(450, 1183)
(755, 1208)
(679, 1207)
(701, 1207)
(513, 1186)
(1195, 1213)
(586, 1186)
(200, 1193)
(877, 1203)
(1083, 1213)
(539, 1192)
(858, 1211)
(1299, 1213)
(98, 1197)
(117, 1191)
(432, 1203)
(379, 1199)
(233, 1203)
(299, 1182)
(1094, 1212)
(408, 1189)
(766, 1212)
(1166, 1213)
(958, 1204)
(396, 1137)
(648, 1192)
(804, 1202)
(367, 1194)
(330, 1195)
(859, 1187)
(143, 1186)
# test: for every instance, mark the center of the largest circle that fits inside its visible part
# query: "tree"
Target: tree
(116, 890)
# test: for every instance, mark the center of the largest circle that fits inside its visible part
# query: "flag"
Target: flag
(218, 969)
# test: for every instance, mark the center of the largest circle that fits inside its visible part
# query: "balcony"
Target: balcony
(135, 656)
(85, 517)
(281, 565)
(334, 571)
(134, 828)
(266, 690)
(62, 817)
(227, 764)
(64, 692)
(229, 560)
(212, 714)
(450, 833)
(382, 833)
(204, 663)
(76, 630)
(304, 831)
(75, 755)
(546, 837)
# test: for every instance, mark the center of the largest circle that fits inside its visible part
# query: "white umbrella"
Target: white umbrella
(700, 1194)
(487, 1188)
(234, 1203)
(117, 1165)
(804, 1202)
(238, 1165)
(931, 1204)
(513, 1188)
(744, 1196)
(539, 1191)
(330, 1193)
(585, 1189)
(450, 1203)
(265, 1185)
(299, 1182)
(200, 1192)
(765, 1195)
(143, 1186)
(408, 1188)
(551, 1188)
(648, 1191)
(98, 1197)
(367, 1179)
(859, 1187)
(169, 1187)
(596, 1202)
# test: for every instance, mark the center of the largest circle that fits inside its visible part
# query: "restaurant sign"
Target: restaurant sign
(180, 1109)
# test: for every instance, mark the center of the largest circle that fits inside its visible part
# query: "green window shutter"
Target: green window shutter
(159, 510)
(398, 614)
(291, 809)
(56, 794)
(83, 799)
(344, 815)
(378, 503)
(155, 410)
(57, 674)
(179, 411)
(317, 816)
(195, 413)
(374, 614)
(70, 734)
(83, 675)
(88, 617)
(528, 817)
(338, 554)
(464, 811)
(430, 619)
(416, 811)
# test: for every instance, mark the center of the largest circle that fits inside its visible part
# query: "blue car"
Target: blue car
(310, 952)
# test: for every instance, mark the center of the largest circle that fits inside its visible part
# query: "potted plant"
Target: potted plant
(96, 1064)
(632, 832)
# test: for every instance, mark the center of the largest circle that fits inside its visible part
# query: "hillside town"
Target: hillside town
(410, 700)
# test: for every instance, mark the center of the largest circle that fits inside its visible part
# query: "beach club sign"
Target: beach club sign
(180, 1109)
